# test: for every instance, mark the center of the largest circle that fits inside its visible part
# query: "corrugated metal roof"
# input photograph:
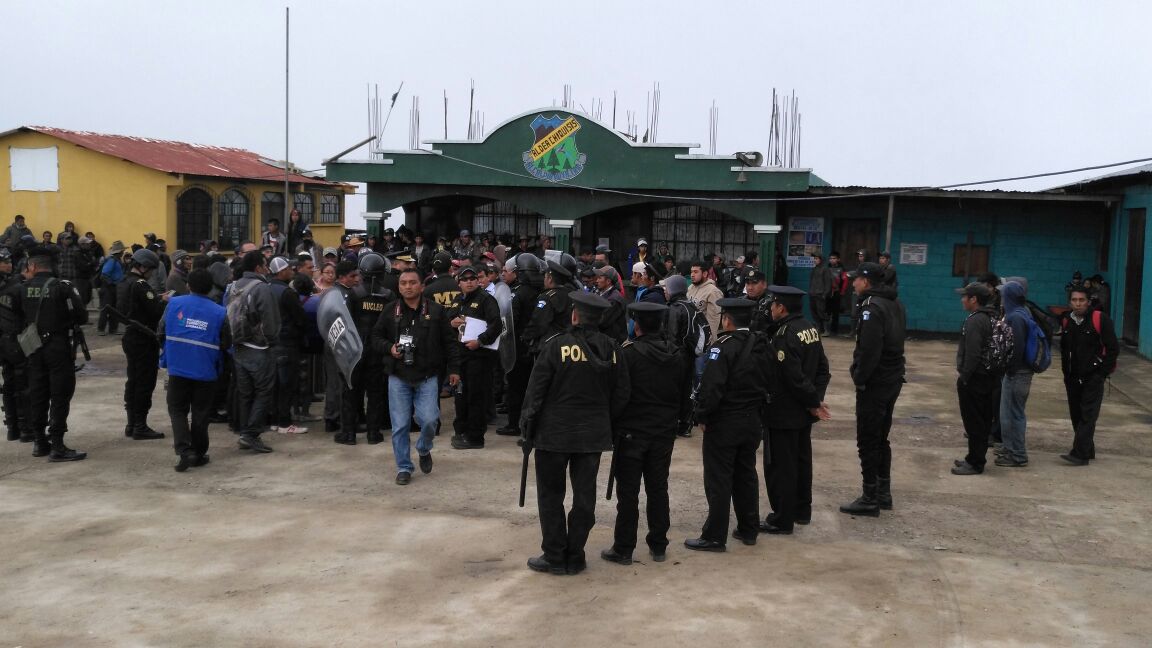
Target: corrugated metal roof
(1134, 171)
(179, 157)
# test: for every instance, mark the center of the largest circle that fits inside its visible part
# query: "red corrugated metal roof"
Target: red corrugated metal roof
(179, 157)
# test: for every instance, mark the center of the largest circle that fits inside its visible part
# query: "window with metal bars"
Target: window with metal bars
(234, 217)
(303, 203)
(505, 218)
(691, 231)
(329, 209)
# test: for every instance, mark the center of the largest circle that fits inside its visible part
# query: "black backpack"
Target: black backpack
(694, 338)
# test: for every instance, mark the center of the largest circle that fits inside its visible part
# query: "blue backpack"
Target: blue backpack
(1037, 348)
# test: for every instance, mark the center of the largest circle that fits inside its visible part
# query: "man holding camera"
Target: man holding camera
(417, 340)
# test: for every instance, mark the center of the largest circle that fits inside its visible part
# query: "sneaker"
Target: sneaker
(272, 428)
(253, 443)
(403, 478)
(293, 429)
(426, 463)
(1009, 462)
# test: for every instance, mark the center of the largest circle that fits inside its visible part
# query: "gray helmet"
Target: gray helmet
(146, 258)
(372, 264)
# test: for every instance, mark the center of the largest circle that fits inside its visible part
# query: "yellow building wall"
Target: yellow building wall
(119, 200)
(107, 196)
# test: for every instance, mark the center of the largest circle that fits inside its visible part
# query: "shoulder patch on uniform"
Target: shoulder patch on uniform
(542, 303)
(714, 353)
(149, 295)
(865, 315)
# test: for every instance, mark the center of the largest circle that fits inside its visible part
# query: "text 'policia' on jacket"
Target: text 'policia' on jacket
(195, 334)
(797, 353)
(574, 369)
(879, 354)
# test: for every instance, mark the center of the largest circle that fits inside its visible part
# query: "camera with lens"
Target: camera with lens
(407, 348)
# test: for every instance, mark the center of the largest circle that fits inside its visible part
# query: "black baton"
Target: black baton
(524, 474)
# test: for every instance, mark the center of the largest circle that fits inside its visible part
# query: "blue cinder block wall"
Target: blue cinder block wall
(1136, 196)
(1045, 241)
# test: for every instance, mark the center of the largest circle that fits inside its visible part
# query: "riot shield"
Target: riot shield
(507, 349)
(339, 331)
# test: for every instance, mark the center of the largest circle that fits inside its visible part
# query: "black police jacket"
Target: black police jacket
(480, 305)
(10, 323)
(55, 308)
(443, 290)
(524, 299)
(735, 378)
(651, 402)
(137, 301)
(879, 354)
(577, 388)
(552, 315)
(435, 344)
(798, 373)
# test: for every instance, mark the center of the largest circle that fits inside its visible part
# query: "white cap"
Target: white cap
(277, 265)
(638, 267)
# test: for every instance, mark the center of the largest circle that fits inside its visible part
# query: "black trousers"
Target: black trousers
(287, 383)
(788, 474)
(368, 382)
(651, 464)
(472, 405)
(832, 304)
(14, 367)
(874, 405)
(1084, 400)
(517, 387)
(143, 356)
(51, 383)
(187, 396)
(977, 403)
(107, 319)
(819, 307)
(730, 479)
(564, 539)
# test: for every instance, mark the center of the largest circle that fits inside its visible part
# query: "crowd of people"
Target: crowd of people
(581, 362)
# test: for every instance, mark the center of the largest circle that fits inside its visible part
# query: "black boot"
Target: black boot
(866, 504)
(884, 493)
(130, 426)
(61, 452)
(141, 432)
(13, 431)
(42, 447)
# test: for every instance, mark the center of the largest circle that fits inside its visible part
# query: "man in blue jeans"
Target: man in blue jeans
(418, 342)
(1017, 381)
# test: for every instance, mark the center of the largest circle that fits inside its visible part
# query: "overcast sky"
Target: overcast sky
(891, 93)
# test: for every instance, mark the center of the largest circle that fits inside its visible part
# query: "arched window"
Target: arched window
(233, 220)
(193, 219)
(303, 203)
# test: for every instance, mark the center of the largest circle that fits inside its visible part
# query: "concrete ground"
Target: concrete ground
(314, 545)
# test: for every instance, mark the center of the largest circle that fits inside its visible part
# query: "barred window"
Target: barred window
(503, 218)
(303, 204)
(234, 226)
(691, 230)
(272, 206)
(329, 209)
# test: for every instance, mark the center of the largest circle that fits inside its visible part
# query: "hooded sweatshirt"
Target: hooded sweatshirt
(1018, 317)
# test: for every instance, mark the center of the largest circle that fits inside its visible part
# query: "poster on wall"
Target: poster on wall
(805, 238)
(913, 254)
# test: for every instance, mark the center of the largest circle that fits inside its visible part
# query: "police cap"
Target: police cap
(755, 276)
(735, 304)
(557, 269)
(587, 301)
(789, 296)
(869, 270)
(646, 307)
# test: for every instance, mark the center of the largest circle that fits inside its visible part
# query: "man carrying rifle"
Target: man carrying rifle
(55, 308)
(645, 433)
(141, 309)
(564, 418)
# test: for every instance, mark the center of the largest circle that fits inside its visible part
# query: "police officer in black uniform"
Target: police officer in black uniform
(553, 308)
(756, 283)
(798, 379)
(15, 365)
(443, 288)
(878, 373)
(369, 382)
(645, 432)
(732, 392)
(524, 275)
(55, 307)
(141, 308)
(477, 361)
(565, 419)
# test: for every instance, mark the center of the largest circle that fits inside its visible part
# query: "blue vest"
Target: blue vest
(192, 325)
